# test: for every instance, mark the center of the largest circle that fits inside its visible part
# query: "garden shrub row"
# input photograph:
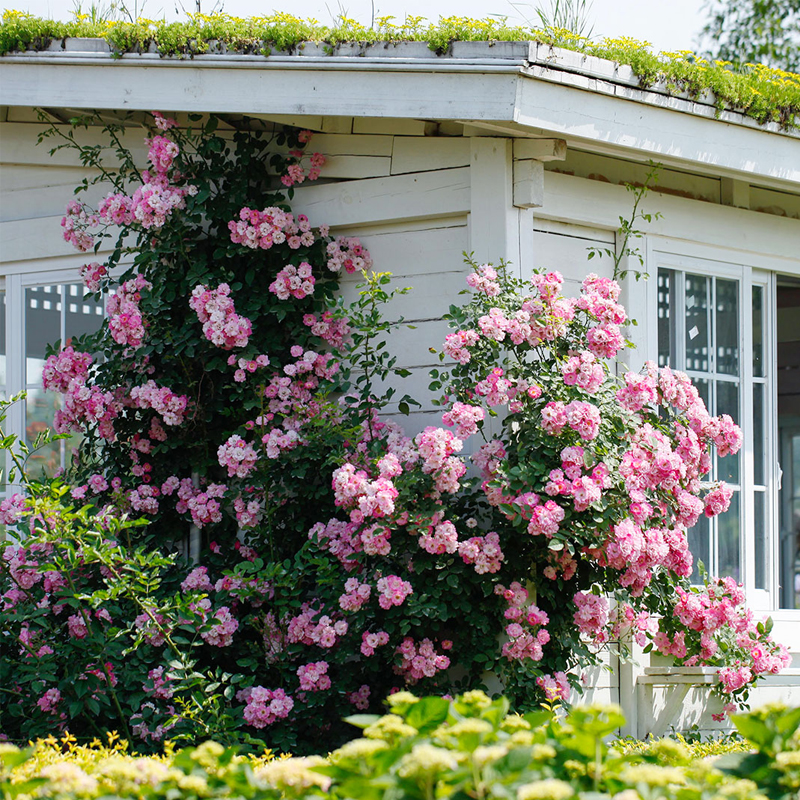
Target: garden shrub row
(433, 747)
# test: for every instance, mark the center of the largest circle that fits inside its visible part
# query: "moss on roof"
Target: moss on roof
(765, 94)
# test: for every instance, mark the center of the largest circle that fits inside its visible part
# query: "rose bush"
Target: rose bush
(339, 556)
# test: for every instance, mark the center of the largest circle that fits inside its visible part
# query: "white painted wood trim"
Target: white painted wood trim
(542, 100)
(759, 240)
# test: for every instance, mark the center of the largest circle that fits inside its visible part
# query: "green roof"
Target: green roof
(767, 95)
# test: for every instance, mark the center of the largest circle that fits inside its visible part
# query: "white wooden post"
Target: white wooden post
(493, 219)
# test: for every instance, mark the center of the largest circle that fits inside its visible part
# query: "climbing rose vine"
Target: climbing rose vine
(232, 400)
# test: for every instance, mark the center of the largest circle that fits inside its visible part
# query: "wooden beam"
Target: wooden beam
(540, 149)
(528, 184)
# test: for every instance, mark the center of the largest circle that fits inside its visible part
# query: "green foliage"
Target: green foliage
(757, 31)
(628, 232)
(426, 748)
(765, 94)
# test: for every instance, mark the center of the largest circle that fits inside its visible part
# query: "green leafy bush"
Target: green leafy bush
(432, 747)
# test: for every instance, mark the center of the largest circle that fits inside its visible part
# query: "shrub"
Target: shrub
(339, 557)
(469, 746)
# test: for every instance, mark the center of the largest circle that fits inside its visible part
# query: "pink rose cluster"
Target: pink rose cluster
(238, 456)
(592, 616)
(640, 624)
(264, 706)
(483, 552)
(484, 280)
(161, 399)
(393, 591)
(202, 503)
(360, 698)
(125, 322)
(555, 687)
(334, 330)
(49, 701)
(293, 392)
(222, 326)
(580, 416)
(464, 417)
(313, 677)
(262, 230)
(305, 628)
(75, 224)
(372, 641)
(248, 512)
(297, 282)
(437, 448)
(295, 173)
(154, 201)
(439, 538)
(246, 365)
(66, 372)
(348, 254)
(526, 629)
(12, 508)
(583, 370)
(355, 490)
(356, 594)
(224, 625)
(92, 275)
(419, 660)
(722, 605)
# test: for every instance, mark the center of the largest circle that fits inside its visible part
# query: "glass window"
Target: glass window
(53, 313)
(699, 332)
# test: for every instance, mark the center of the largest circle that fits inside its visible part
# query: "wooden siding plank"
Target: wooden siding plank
(26, 239)
(347, 145)
(15, 177)
(356, 167)
(422, 154)
(394, 127)
(395, 198)
(46, 201)
(18, 145)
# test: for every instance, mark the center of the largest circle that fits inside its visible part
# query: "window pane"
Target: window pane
(758, 331)
(83, 316)
(759, 434)
(41, 408)
(702, 386)
(727, 327)
(790, 520)
(42, 327)
(728, 403)
(697, 310)
(728, 536)
(700, 546)
(762, 541)
(666, 320)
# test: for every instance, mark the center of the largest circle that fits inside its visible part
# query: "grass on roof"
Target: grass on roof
(765, 94)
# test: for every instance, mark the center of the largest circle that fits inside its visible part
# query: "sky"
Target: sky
(666, 24)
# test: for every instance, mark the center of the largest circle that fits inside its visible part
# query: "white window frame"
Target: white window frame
(749, 271)
(15, 282)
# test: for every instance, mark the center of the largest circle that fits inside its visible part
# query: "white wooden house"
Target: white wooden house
(508, 150)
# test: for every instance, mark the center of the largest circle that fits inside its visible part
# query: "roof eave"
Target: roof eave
(507, 91)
